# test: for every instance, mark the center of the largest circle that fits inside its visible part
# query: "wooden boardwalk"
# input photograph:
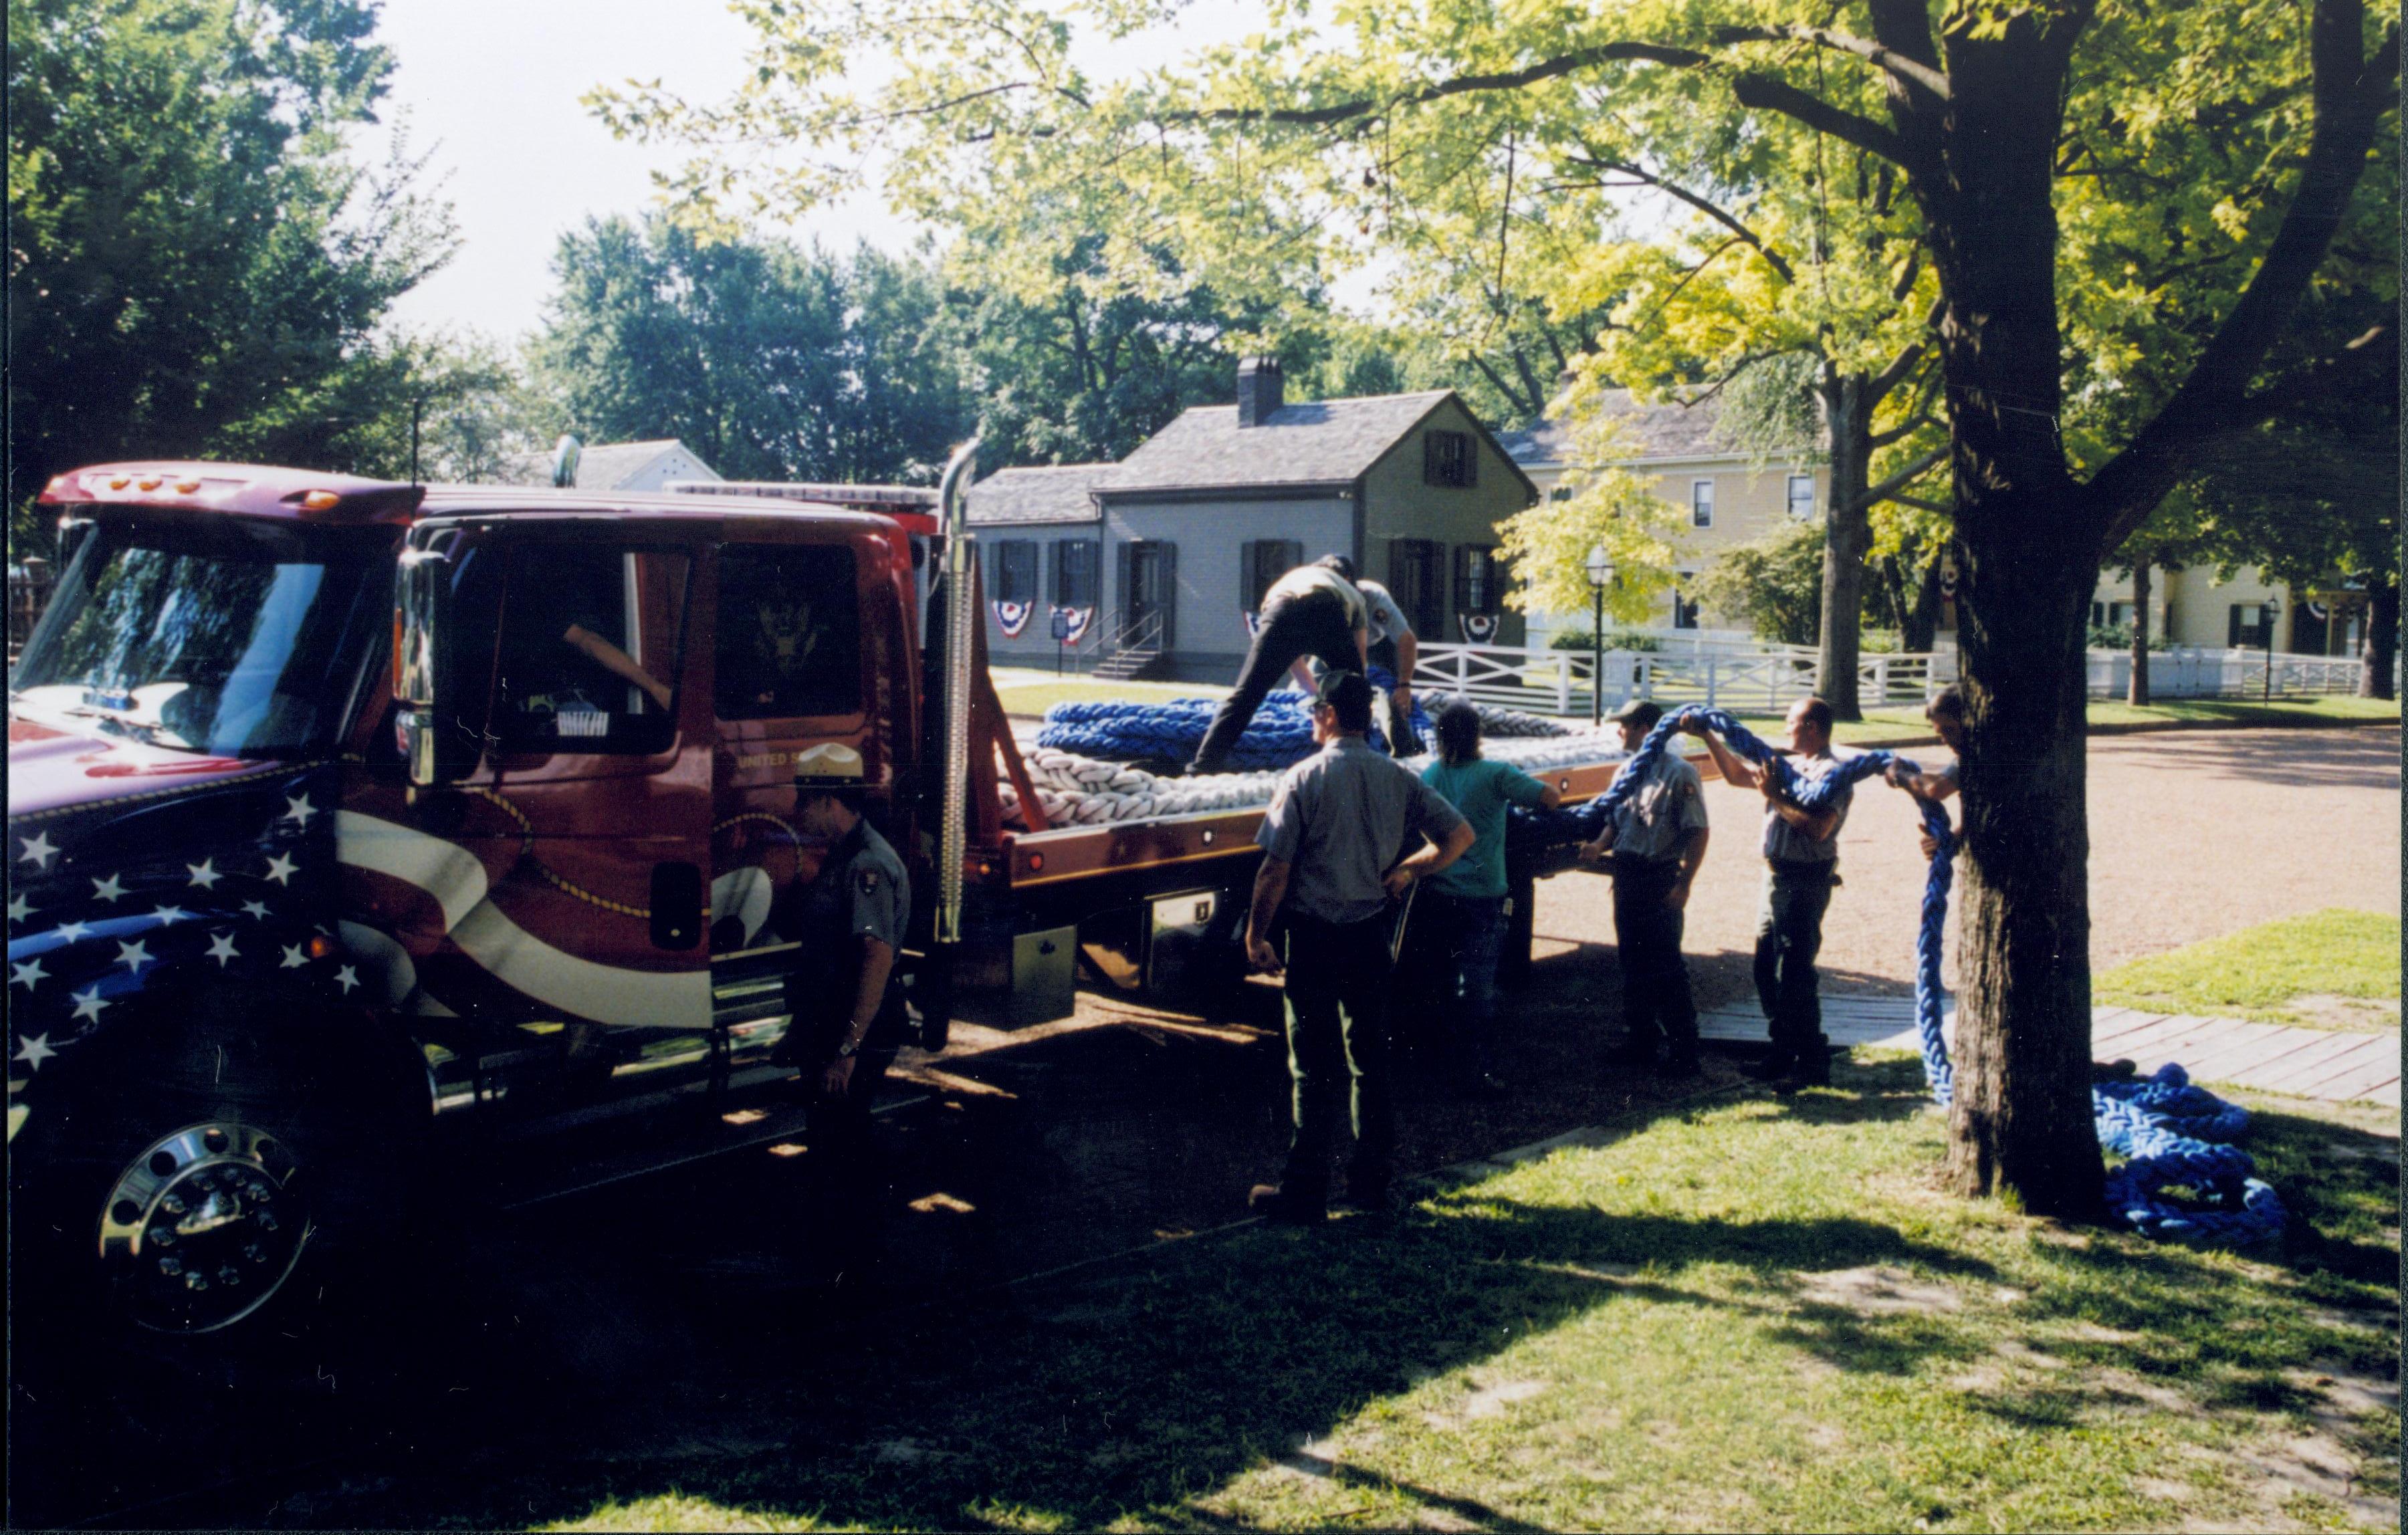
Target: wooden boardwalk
(2272, 1057)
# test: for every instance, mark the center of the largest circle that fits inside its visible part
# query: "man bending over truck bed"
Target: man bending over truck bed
(1314, 611)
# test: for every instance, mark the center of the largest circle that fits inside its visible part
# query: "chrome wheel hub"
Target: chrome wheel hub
(203, 1228)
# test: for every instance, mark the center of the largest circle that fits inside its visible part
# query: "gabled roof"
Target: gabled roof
(1048, 493)
(1670, 430)
(603, 465)
(1321, 442)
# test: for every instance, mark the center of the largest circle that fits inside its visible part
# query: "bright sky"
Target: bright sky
(492, 86)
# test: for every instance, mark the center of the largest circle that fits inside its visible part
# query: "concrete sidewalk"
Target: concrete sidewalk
(2316, 1063)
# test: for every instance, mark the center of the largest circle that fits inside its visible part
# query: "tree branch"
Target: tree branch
(1703, 205)
(1904, 429)
(1888, 490)
(1941, 506)
(1751, 90)
(2351, 95)
(1910, 71)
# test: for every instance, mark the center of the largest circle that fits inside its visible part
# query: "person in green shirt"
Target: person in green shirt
(1463, 909)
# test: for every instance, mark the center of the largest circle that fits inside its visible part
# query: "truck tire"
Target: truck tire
(202, 1177)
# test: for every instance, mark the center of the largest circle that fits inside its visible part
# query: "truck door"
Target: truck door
(567, 866)
(805, 652)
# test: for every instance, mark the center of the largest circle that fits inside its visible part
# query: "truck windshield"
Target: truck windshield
(237, 637)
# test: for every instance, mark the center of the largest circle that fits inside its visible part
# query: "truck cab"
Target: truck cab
(345, 814)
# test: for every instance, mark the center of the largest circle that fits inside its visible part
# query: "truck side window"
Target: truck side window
(789, 631)
(589, 640)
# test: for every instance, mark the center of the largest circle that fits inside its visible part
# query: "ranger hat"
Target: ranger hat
(1643, 712)
(830, 765)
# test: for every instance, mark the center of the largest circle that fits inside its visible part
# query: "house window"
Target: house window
(1701, 502)
(2250, 623)
(1413, 580)
(789, 631)
(1685, 611)
(1015, 571)
(1479, 585)
(2110, 615)
(1801, 497)
(1077, 572)
(1262, 562)
(1446, 460)
(1561, 493)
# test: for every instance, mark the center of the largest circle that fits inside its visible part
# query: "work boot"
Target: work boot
(1632, 1054)
(1367, 1196)
(1680, 1066)
(1280, 1208)
(1813, 1069)
(1774, 1066)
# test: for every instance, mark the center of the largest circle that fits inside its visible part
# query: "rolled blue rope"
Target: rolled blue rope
(2170, 1133)
(1279, 736)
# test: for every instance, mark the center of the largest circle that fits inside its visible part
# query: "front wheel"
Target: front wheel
(175, 1190)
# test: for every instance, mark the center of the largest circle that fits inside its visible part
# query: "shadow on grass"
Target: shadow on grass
(1137, 1386)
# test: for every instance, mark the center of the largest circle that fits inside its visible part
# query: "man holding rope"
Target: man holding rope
(1653, 844)
(1801, 855)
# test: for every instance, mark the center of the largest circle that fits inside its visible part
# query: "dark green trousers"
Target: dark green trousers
(1338, 979)
(1788, 935)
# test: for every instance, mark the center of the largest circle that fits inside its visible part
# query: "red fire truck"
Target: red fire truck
(345, 814)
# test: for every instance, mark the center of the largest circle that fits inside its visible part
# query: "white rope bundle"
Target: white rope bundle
(1078, 791)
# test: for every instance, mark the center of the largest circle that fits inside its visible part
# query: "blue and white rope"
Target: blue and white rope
(2171, 1134)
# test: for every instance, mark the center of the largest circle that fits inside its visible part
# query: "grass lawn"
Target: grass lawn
(1027, 691)
(2306, 970)
(1742, 1313)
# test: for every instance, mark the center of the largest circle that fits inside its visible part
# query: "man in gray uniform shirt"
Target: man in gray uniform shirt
(1331, 843)
(1802, 856)
(1654, 842)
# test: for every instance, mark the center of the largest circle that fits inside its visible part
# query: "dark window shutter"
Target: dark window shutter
(1249, 577)
(1054, 554)
(1126, 597)
(1169, 594)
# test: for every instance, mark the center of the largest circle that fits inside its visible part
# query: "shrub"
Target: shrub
(1776, 585)
(1615, 639)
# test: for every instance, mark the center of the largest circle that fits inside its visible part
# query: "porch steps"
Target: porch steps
(1128, 664)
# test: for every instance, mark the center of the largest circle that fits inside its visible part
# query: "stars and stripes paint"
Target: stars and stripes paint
(99, 910)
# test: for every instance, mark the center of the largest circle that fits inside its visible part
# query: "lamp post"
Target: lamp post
(1600, 576)
(2268, 613)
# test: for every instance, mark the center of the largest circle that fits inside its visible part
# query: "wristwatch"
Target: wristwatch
(850, 1046)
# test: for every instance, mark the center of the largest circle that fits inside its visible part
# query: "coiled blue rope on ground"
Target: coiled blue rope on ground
(2171, 1135)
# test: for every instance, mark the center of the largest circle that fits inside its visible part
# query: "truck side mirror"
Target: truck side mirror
(438, 620)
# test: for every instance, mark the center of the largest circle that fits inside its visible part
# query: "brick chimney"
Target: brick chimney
(1260, 390)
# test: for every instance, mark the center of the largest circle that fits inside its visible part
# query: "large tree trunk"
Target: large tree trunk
(2138, 692)
(1847, 525)
(2027, 555)
(2382, 643)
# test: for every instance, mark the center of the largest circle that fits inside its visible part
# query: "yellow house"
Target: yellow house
(1724, 497)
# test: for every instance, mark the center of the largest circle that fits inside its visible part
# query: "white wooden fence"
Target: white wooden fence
(2191, 672)
(1765, 678)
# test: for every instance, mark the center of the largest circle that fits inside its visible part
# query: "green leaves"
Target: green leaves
(197, 267)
